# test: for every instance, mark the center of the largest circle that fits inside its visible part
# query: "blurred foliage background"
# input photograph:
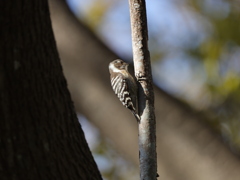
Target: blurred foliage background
(195, 53)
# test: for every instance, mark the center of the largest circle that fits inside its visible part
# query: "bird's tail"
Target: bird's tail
(136, 116)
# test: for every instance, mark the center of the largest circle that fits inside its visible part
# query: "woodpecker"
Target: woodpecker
(124, 85)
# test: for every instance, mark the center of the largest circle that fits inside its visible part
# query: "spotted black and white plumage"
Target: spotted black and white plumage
(124, 85)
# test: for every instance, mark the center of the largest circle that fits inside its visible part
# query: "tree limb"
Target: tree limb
(141, 58)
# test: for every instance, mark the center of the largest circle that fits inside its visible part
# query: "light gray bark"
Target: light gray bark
(143, 73)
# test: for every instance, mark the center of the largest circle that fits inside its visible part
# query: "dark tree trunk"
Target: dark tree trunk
(40, 137)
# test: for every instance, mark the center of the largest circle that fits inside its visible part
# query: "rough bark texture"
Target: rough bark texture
(143, 73)
(40, 137)
(186, 149)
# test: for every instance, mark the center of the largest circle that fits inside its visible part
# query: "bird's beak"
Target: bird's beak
(126, 65)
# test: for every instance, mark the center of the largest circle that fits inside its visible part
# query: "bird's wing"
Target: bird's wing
(121, 87)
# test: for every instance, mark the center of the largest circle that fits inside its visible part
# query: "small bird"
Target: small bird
(124, 85)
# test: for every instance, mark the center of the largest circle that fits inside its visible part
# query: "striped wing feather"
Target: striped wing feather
(121, 88)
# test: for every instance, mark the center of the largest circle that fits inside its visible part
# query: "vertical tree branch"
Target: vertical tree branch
(142, 67)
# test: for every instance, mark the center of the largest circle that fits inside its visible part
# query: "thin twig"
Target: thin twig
(142, 67)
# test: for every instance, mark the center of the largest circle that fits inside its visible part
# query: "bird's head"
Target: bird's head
(118, 65)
